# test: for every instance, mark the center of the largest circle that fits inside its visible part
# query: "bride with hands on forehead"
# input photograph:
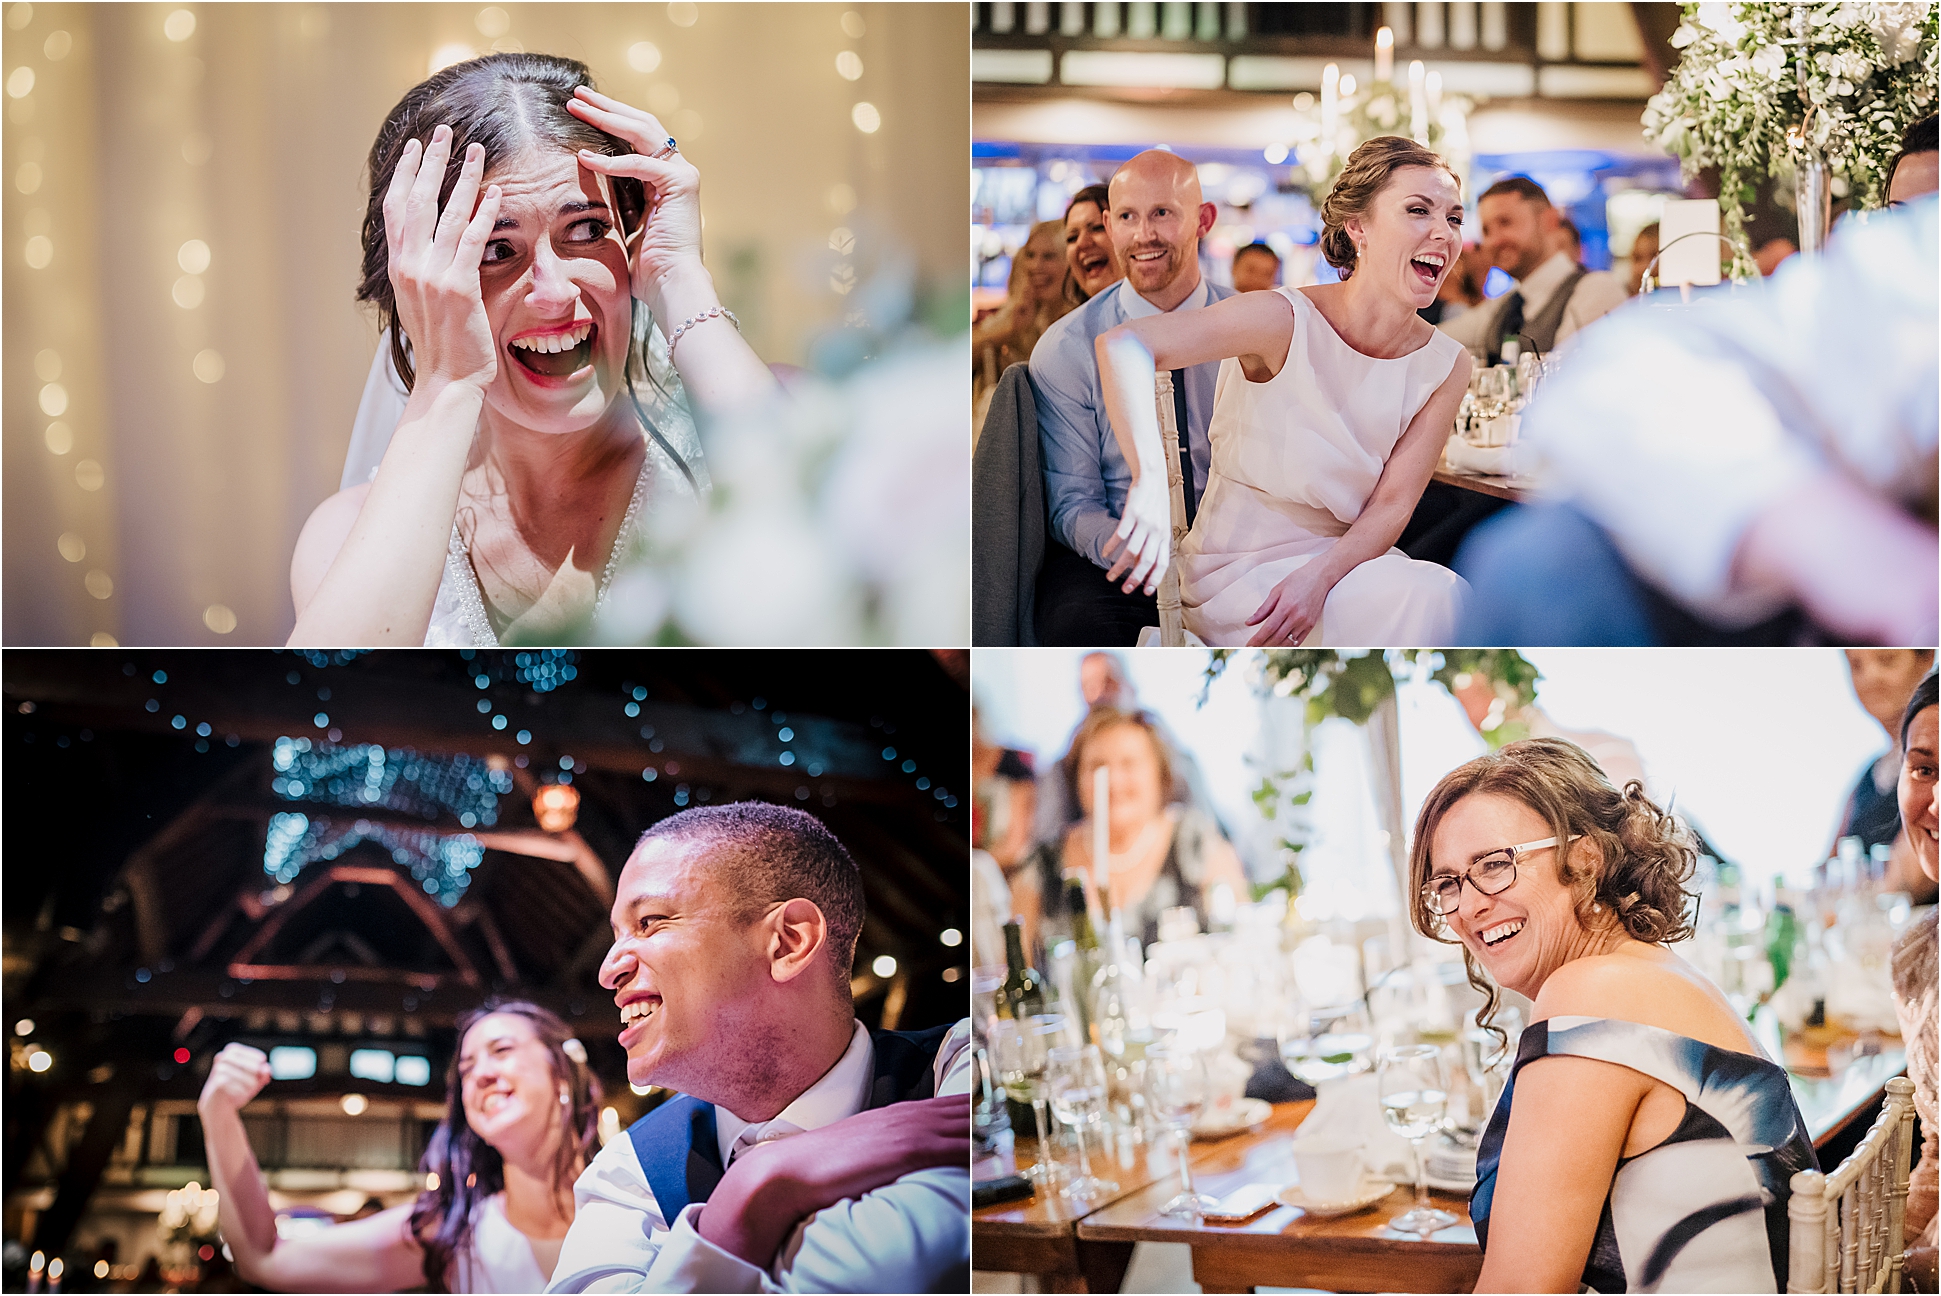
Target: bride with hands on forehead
(528, 244)
(1331, 409)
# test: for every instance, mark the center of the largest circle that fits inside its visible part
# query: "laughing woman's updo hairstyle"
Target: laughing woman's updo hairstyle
(1630, 869)
(1367, 173)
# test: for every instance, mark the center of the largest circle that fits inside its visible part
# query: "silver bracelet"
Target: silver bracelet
(692, 320)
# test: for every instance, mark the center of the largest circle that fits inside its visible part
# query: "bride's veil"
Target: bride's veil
(671, 439)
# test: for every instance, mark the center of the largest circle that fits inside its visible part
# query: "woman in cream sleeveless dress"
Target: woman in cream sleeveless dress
(1295, 459)
(1331, 409)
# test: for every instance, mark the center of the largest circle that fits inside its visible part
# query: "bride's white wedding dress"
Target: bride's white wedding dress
(1294, 462)
(458, 615)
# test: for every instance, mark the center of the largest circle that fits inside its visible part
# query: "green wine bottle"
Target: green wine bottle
(1088, 958)
(1023, 993)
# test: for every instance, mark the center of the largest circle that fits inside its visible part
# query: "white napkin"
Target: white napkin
(1352, 1106)
(1502, 461)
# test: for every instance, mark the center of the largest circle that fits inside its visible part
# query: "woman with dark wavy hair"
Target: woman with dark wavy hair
(1644, 1141)
(522, 1116)
(528, 245)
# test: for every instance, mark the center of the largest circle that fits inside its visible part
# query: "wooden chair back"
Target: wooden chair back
(1846, 1226)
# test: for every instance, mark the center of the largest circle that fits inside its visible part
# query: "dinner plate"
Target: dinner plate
(1444, 1183)
(1245, 1114)
(1373, 1189)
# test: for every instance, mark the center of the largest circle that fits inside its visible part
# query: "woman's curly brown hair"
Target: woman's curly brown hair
(1629, 870)
(1367, 172)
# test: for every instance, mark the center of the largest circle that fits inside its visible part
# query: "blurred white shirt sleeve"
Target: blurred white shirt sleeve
(1674, 427)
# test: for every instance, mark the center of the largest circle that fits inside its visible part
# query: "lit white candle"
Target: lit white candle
(1330, 88)
(1101, 831)
(1433, 82)
(1384, 54)
(1347, 87)
(1418, 104)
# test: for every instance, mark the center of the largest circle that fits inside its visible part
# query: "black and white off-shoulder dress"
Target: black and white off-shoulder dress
(1703, 1211)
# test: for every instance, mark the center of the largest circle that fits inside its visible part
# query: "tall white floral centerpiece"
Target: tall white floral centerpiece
(1814, 95)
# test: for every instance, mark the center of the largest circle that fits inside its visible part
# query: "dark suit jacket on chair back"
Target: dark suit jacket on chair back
(1008, 520)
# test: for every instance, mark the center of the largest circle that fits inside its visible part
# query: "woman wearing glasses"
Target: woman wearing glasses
(1643, 1142)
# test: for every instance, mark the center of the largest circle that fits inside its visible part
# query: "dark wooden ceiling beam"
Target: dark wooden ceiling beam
(424, 910)
(706, 744)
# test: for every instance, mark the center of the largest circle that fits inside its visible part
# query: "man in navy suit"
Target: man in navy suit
(1156, 221)
(804, 1151)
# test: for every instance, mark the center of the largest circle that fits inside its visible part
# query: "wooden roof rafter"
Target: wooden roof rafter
(241, 965)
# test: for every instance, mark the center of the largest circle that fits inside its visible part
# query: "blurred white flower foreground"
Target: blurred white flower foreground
(840, 514)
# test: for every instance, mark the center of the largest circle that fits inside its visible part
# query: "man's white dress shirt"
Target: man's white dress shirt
(903, 1237)
(1597, 294)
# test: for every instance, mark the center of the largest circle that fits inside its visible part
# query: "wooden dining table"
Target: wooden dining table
(1089, 1247)
(1518, 490)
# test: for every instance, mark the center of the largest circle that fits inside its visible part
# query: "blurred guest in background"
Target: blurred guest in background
(1554, 297)
(1006, 802)
(1768, 255)
(1088, 246)
(1461, 289)
(1035, 296)
(1916, 169)
(1774, 480)
(1103, 682)
(1483, 701)
(1638, 1102)
(1156, 218)
(1882, 680)
(1916, 974)
(1256, 268)
(1569, 241)
(1643, 249)
(521, 1121)
(1161, 854)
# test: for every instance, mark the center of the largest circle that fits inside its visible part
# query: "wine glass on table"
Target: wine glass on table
(1414, 1094)
(1322, 1044)
(1076, 1077)
(1019, 1047)
(1177, 1088)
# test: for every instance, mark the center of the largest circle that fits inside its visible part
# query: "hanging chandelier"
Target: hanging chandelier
(1347, 114)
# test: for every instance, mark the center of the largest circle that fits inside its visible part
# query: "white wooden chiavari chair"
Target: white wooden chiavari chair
(1846, 1226)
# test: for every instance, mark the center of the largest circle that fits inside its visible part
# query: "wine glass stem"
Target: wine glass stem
(1044, 1143)
(1185, 1163)
(1421, 1176)
(1084, 1157)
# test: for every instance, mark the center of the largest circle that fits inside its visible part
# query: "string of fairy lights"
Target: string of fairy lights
(320, 768)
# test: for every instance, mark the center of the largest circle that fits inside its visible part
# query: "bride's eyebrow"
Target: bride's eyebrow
(575, 207)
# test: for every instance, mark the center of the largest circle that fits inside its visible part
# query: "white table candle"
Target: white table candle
(1101, 830)
(1418, 104)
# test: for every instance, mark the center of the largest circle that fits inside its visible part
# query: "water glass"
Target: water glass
(1076, 1075)
(1414, 1092)
(1318, 1045)
(1177, 1090)
(1020, 1047)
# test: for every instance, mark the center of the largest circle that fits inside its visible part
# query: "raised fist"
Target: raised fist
(238, 1075)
